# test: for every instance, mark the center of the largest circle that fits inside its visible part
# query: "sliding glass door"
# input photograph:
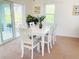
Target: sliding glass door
(6, 28)
(18, 17)
(10, 18)
(0, 31)
(0, 25)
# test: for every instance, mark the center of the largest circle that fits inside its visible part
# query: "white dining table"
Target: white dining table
(41, 32)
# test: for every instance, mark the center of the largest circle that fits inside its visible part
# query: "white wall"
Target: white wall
(68, 25)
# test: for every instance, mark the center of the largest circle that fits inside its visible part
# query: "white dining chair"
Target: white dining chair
(52, 35)
(29, 42)
(50, 38)
(46, 40)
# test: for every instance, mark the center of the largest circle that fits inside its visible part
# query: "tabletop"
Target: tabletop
(38, 31)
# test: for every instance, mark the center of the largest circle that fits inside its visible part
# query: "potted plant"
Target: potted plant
(30, 18)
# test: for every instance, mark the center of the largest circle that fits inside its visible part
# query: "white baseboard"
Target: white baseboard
(73, 36)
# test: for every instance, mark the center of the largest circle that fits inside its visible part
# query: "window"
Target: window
(50, 13)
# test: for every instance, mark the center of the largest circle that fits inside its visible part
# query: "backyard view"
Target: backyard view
(7, 15)
(50, 13)
(5, 23)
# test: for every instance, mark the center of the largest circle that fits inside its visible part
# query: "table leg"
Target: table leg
(42, 45)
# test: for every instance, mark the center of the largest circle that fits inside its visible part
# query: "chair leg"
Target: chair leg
(32, 54)
(48, 48)
(38, 47)
(50, 38)
(51, 43)
(22, 54)
(54, 40)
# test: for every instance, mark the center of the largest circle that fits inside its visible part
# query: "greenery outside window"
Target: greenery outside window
(50, 13)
